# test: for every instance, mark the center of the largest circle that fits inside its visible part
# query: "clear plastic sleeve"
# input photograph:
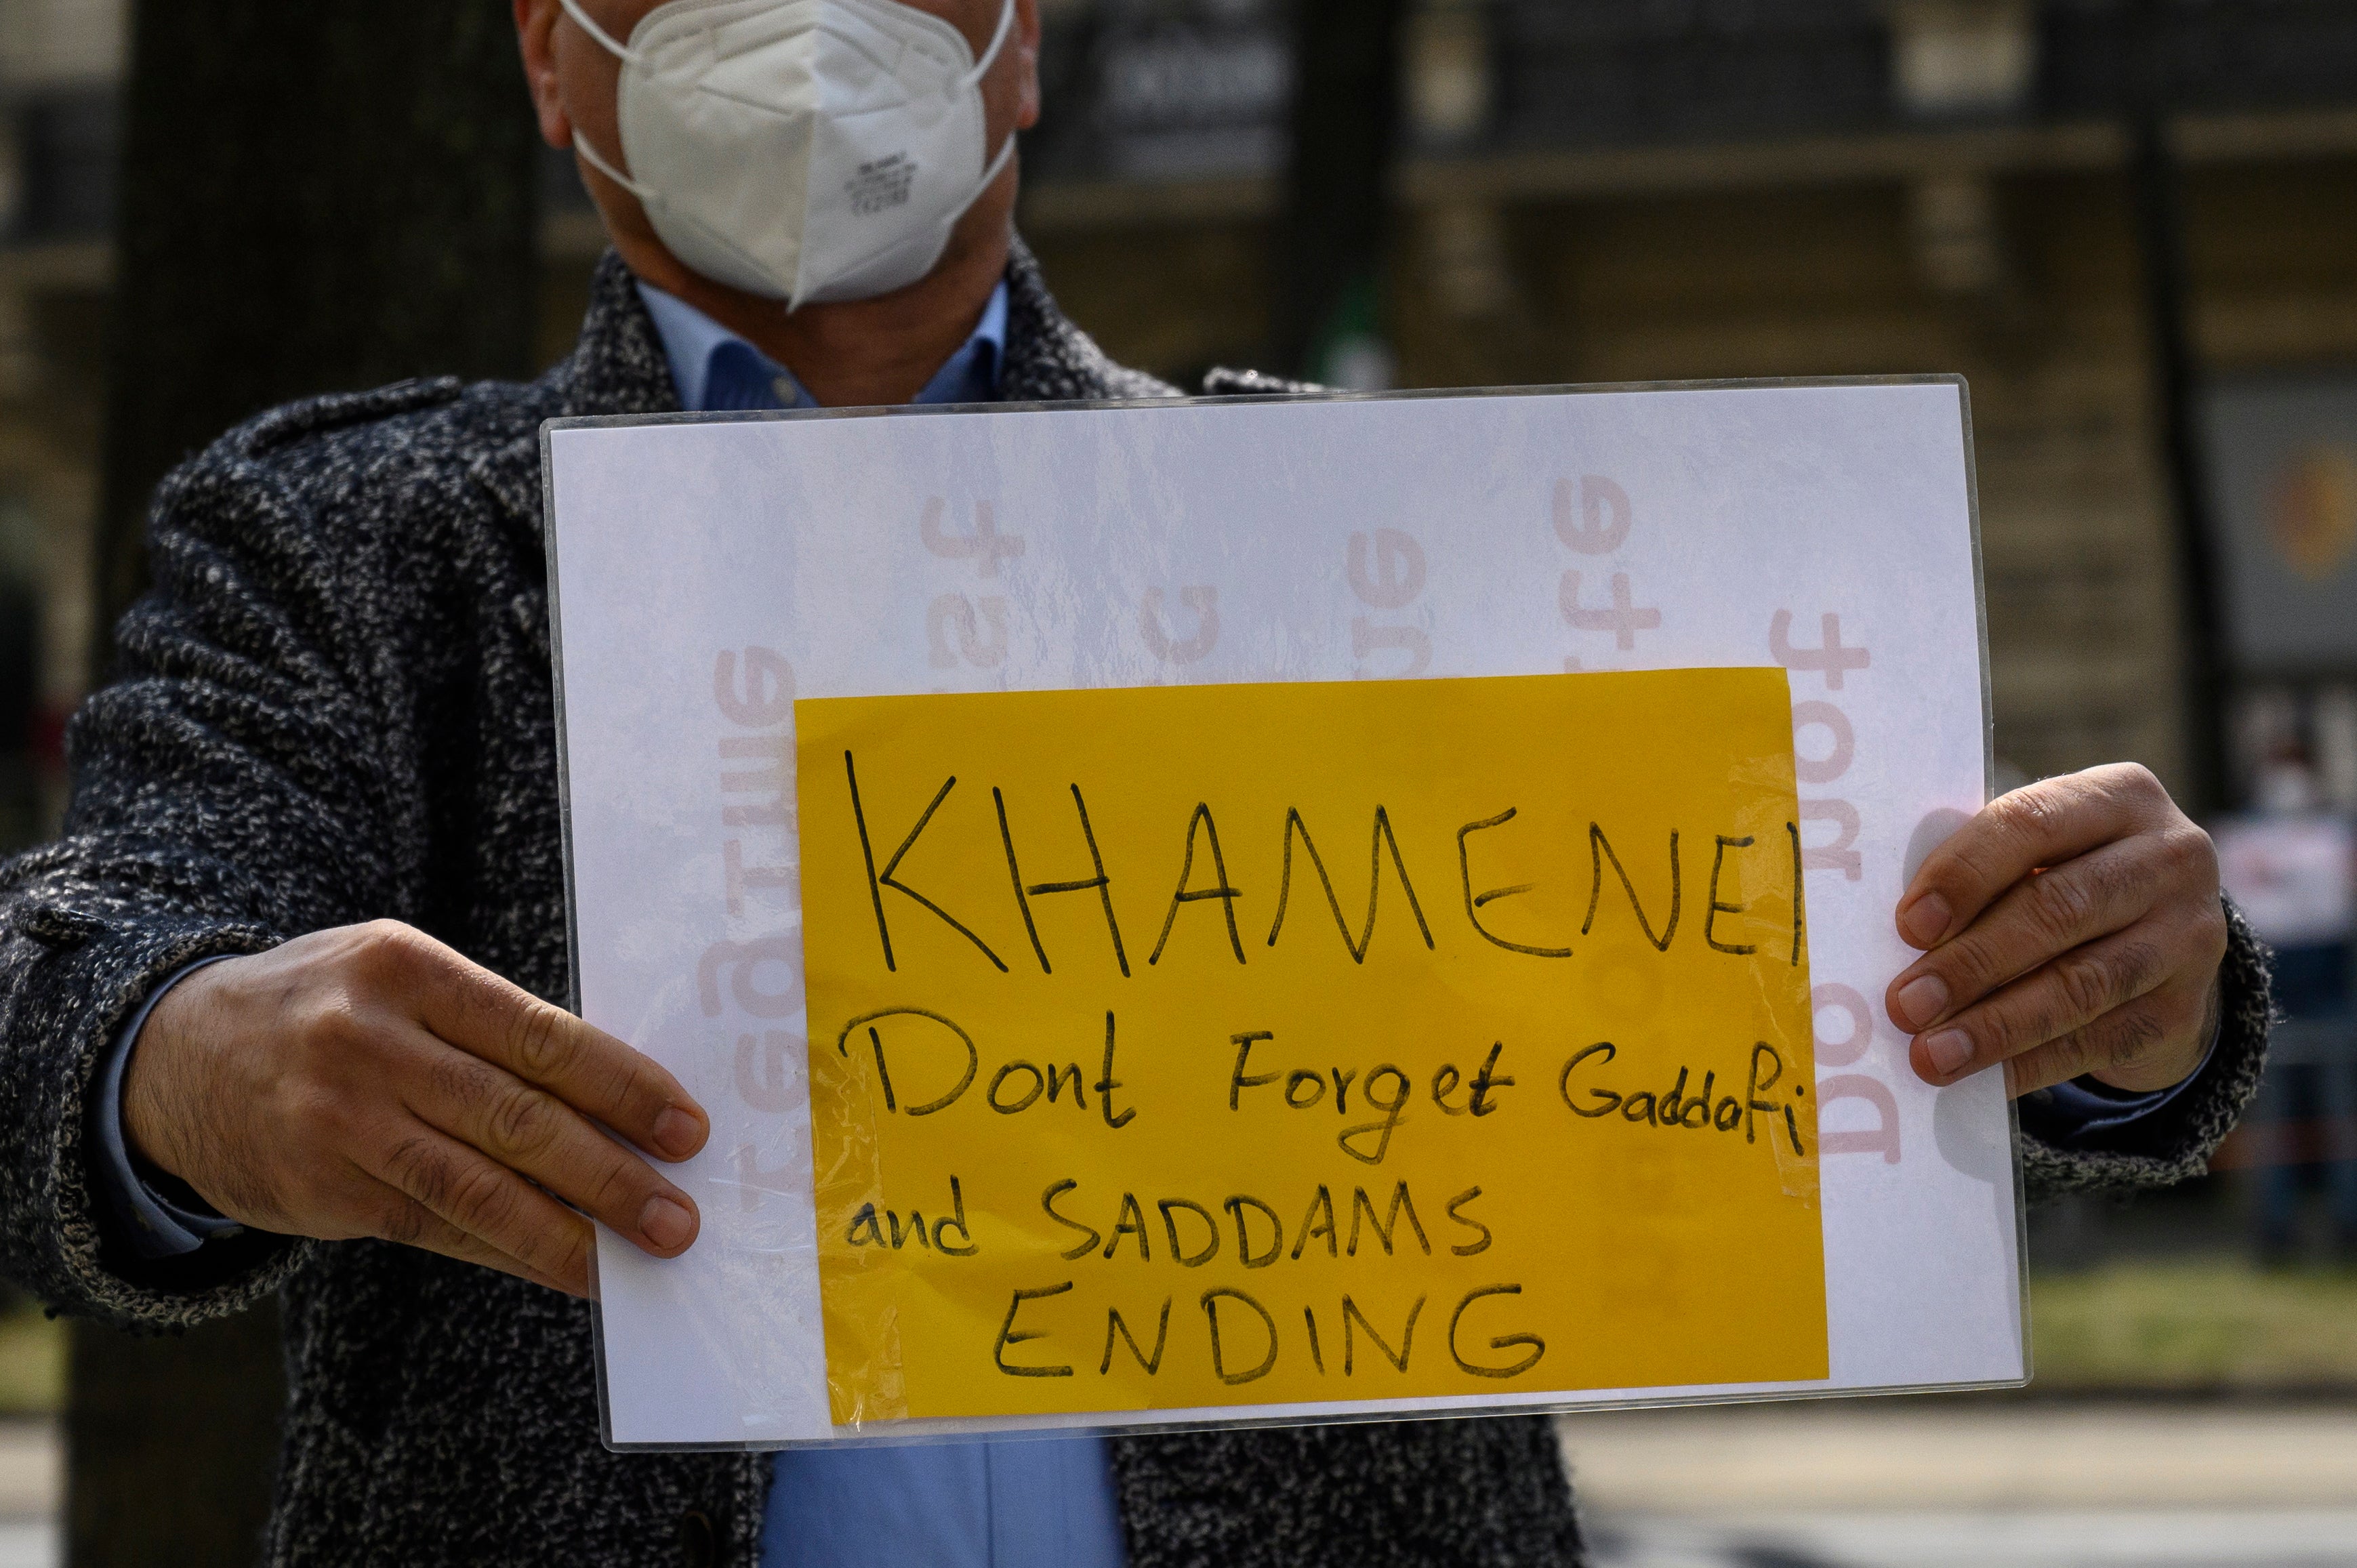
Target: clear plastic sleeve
(976, 809)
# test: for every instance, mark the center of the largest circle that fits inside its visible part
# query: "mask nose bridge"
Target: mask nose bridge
(890, 59)
(904, 36)
(884, 80)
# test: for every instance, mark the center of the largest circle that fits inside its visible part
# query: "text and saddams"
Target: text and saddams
(1306, 1044)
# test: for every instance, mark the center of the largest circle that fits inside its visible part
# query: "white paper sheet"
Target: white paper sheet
(1829, 528)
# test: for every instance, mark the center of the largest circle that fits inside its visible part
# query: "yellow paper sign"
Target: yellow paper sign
(1241, 1044)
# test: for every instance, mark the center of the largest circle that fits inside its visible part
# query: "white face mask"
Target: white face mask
(803, 150)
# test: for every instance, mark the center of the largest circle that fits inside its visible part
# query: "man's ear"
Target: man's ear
(1027, 50)
(535, 26)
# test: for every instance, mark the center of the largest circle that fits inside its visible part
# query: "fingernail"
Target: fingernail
(1923, 999)
(1925, 921)
(1949, 1049)
(677, 1134)
(666, 1222)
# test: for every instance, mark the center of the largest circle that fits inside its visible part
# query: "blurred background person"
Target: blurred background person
(2291, 864)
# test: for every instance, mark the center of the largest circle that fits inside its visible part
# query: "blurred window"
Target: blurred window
(20, 677)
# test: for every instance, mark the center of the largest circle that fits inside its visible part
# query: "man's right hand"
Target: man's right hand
(370, 1082)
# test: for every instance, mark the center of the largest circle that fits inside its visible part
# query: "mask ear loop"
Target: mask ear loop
(982, 67)
(629, 56)
(645, 193)
(991, 171)
(1006, 148)
(620, 52)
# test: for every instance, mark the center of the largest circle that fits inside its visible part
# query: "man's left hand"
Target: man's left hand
(2073, 927)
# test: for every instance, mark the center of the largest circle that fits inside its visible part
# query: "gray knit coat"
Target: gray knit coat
(336, 706)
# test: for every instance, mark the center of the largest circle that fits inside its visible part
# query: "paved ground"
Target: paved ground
(1958, 1484)
(30, 1474)
(2140, 1537)
(1851, 1484)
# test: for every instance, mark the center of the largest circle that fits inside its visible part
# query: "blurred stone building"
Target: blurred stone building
(1589, 190)
(1602, 190)
(58, 63)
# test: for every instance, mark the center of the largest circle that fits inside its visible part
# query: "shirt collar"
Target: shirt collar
(714, 369)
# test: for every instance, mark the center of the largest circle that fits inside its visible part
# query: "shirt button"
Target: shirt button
(698, 1548)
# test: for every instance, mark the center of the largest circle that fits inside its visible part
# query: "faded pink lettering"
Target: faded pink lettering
(1366, 637)
(1830, 659)
(742, 879)
(1837, 855)
(762, 1079)
(1622, 617)
(1398, 569)
(1881, 1139)
(745, 959)
(986, 546)
(766, 697)
(1204, 601)
(1603, 515)
(1823, 769)
(769, 749)
(1841, 998)
(956, 611)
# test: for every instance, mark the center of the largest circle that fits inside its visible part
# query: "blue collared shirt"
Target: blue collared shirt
(1019, 1503)
(715, 370)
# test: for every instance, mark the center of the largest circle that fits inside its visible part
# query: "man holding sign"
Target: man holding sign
(277, 1009)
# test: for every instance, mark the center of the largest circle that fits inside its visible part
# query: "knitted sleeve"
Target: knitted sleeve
(247, 778)
(2176, 1141)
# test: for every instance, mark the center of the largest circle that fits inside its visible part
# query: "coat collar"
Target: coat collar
(617, 366)
(1048, 359)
